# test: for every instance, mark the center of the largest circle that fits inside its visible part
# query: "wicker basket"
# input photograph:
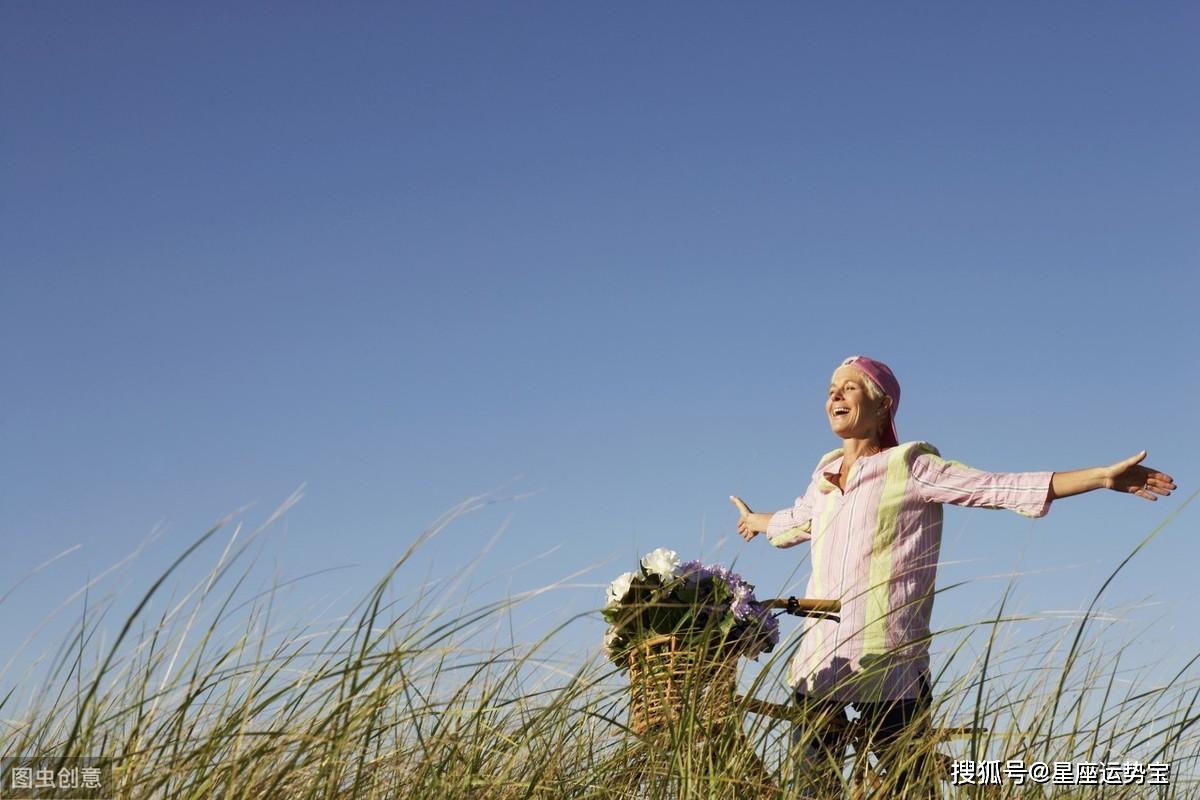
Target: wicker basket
(669, 680)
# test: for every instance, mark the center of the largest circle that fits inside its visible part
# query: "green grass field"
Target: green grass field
(211, 697)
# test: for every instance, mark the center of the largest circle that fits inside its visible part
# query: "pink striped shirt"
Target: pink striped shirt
(875, 547)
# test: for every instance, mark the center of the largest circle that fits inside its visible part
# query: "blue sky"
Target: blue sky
(404, 254)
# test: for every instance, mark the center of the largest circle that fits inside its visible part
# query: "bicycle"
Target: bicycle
(682, 699)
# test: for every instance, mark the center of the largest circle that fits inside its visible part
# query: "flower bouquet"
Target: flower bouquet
(679, 629)
(706, 606)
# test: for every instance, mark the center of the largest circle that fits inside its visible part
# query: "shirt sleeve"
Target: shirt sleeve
(791, 526)
(940, 481)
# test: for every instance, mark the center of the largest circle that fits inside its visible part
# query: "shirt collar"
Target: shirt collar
(831, 464)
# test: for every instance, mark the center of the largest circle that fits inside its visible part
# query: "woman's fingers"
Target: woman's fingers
(743, 523)
(1145, 482)
(1161, 479)
(744, 529)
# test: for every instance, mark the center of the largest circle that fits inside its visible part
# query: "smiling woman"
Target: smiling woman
(872, 513)
(860, 408)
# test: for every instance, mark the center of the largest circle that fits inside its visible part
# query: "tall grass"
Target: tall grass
(416, 697)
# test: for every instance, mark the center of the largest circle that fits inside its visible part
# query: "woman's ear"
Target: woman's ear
(885, 406)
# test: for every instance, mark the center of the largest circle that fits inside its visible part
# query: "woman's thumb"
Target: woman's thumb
(741, 507)
(1136, 458)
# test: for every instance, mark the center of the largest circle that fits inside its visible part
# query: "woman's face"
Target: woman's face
(852, 414)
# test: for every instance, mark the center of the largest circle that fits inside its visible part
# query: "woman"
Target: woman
(873, 515)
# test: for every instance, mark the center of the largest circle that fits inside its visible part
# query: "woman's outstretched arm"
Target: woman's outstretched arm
(785, 528)
(937, 480)
(1124, 476)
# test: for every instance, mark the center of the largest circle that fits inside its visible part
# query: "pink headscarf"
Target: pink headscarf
(885, 380)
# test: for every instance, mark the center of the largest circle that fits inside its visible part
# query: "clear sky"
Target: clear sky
(609, 254)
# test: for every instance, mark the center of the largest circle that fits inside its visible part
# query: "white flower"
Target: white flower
(662, 562)
(610, 636)
(619, 588)
(741, 601)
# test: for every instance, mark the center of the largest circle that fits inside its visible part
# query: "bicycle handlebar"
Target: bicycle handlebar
(804, 606)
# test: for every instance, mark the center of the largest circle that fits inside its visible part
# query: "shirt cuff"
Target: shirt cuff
(781, 532)
(1040, 507)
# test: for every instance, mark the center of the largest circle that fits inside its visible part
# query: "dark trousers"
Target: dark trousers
(886, 727)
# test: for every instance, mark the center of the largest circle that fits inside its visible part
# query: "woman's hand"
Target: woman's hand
(749, 524)
(1130, 476)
